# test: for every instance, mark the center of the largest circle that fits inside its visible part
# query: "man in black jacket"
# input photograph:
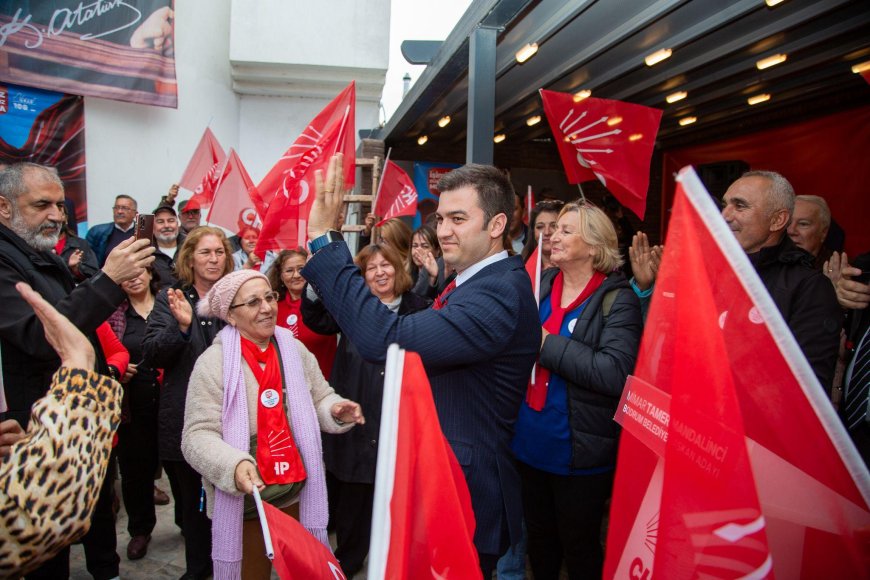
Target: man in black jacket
(31, 215)
(758, 208)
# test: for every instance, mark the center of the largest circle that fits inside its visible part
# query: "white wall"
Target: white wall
(255, 71)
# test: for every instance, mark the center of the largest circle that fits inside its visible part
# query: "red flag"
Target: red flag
(204, 192)
(733, 462)
(298, 554)
(287, 191)
(233, 205)
(397, 195)
(611, 141)
(422, 516)
(207, 154)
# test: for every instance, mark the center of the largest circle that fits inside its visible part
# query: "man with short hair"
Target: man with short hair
(478, 343)
(103, 238)
(191, 215)
(169, 238)
(809, 227)
(758, 208)
(518, 230)
(31, 215)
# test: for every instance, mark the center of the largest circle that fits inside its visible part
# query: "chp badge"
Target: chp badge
(269, 398)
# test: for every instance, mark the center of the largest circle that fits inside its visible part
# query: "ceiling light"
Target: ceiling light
(499, 138)
(527, 52)
(657, 57)
(678, 96)
(687, 121)
(635, 137)
(754, 100)
(533, 120)
(614, 121)
(421, 140)
(861, 67)
(770, 61)
(444, 121)
(773, 3)
(580, 95)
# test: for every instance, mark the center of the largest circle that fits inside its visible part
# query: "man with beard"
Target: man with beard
(169, 238)
(31, 215)
(190, 214)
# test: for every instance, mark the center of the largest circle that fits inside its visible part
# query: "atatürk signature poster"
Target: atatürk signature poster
(115, 49)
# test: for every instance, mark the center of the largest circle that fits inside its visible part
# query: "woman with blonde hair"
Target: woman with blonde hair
(566, 439)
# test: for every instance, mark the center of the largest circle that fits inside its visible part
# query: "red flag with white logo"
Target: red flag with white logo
(294, 551)
(233, 205)
(208, 153)
(607, 140)
(733, 462)
(287, 192)
(397, 195)
(204, 193)
(422, 521)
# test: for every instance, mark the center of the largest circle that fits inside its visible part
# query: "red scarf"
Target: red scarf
(278, 458)
(536, 395)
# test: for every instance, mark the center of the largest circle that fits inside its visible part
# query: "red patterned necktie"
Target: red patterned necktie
(441, 300)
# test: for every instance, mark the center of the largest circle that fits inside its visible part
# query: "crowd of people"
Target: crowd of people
(240, 371)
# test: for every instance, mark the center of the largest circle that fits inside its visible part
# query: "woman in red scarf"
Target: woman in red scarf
(285, 275)
(566, 438)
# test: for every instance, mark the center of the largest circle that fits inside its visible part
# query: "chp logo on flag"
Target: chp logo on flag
(607, 140)
(396, 195)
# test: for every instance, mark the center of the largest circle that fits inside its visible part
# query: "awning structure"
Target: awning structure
(601, 46)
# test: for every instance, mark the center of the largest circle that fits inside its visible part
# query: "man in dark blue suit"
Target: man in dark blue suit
(478, 345)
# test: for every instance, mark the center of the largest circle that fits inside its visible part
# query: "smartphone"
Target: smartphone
(145, 227)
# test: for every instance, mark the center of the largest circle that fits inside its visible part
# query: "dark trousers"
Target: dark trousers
(563, 515)
(350, 511)
(100, 543)
(186, 490)
(138, 460)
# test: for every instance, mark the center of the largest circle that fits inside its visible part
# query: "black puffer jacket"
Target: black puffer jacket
(807, 301)
(352, 456)
(166, 348)
(595, 362)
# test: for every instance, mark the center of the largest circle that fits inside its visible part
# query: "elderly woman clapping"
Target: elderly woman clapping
(256, 404)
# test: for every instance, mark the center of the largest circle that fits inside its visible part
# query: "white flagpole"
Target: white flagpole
(385, 470)
(538, 263)
(582, 195)
(381, 180)
(267, 537)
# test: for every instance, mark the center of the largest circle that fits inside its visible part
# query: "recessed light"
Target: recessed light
(658, 56)
(771, 61)
(527, 52)
(614, 121)
(533, 120)
(635, 137)
(861, 67)
(499, 138)
(773, 3)
(580, 95)
(444, 121)
(687, 121)
(421, 140)
(754, 100)
(678, 96)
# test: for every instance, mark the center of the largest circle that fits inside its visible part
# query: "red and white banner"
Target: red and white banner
(733, 463)
(205, 161)
(233, 206)
(397, 195)
(286, 193)
(610, 141)
(422, 521)
(294, 552)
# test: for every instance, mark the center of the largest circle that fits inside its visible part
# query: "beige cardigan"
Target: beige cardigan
(202, 438)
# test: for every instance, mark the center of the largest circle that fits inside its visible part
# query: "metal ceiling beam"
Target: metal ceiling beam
(481, 95)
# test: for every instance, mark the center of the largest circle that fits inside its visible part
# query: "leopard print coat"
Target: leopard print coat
(50, 481)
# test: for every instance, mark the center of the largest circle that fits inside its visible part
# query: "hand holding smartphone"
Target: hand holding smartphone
(145, 228)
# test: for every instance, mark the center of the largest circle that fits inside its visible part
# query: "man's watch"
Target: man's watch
(324, 240)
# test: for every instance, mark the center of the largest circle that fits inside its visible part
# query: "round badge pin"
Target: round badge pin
(292, 319)
(269, 398)
(571, 325)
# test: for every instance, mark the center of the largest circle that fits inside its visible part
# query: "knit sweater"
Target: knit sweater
(202, 439)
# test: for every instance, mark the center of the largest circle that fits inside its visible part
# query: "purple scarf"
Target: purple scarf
(314, 513)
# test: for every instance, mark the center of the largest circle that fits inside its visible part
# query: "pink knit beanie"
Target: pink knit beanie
(217, 301)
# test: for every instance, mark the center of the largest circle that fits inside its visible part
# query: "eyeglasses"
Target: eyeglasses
(190, 211)
(123, 208)
(254, 303)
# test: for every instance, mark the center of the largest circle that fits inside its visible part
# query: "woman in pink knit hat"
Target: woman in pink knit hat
(256, 404)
